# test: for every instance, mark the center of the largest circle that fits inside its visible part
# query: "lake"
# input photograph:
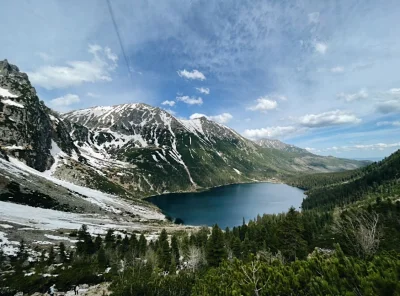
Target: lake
(228, 205)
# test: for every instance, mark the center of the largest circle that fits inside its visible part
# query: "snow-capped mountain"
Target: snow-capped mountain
(276, 144)
(136, 150)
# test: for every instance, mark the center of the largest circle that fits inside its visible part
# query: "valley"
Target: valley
(74, 207)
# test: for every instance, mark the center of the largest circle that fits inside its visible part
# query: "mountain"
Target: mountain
(276, 144)
(28, 127)
(136, 150)
(363, 185)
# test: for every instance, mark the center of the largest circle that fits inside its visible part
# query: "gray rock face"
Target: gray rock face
(27, 126)
(136, 149)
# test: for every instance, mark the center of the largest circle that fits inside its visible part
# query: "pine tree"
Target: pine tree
(236, 247)
(52, 256)
(175, 248)
(164, 251)
(101, 258)
(215, 251)
(142, 245)
(109, 239)
(63, 255)
(293, 245)
(98, 242)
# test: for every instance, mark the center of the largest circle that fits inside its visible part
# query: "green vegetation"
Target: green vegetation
(344, 242)
(378, 180)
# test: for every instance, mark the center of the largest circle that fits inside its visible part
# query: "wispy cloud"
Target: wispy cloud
(389, 101)
(337, 69)
(391, 106)
(92, 95)
(321, 47)
(99, 68)
(66, 100)
(170, 111)
(190, 100)
(203, 90)
(361, 94)
(270, 132)
(313, 17)
(221, 118)
(169, 103)
(263, 104)
(388, 123)
(377, 146)
(330, 118)
(194, 75)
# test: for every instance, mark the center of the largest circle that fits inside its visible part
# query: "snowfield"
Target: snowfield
(116, 213)
(108, 202)
(46, 219)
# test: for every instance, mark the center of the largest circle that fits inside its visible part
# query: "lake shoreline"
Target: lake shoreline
(205, 189)
(230, 204)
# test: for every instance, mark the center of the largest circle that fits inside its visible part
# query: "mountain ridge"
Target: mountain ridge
(137, 150)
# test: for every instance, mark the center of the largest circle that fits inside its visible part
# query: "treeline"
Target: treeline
(307, 182)
(381, 178)
(273, 251)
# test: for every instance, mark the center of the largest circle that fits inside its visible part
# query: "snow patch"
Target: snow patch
(237, 171)
(108, 202)
(9, 248)
(14, 147)
(12, 103)
(6, 93)
(6, 226)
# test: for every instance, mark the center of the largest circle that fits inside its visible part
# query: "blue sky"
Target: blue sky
(317, 74)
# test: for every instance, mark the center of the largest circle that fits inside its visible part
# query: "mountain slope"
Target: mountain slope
(135, 150)
(28, 127)
(380, 179)
(167, 154)
(276, 144)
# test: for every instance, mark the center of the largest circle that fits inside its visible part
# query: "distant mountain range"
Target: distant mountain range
(136, 150)
(276, 144)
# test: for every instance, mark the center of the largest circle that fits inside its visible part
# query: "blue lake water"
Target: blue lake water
(228, 205)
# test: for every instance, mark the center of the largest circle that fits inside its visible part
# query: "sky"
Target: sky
(322, 75)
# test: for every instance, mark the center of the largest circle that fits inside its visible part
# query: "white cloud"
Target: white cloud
(270, 132)
(394, 91)
(361, 94)
(190, 100)
(321, 47)
(203, 90)
(330, 118)
(99, 68)
(377, 146)
(337, 69)
(110, 55)
(169, 103)
(263, 104)
(195, 74)
(197, 115)
(390, 103)
(313, 17)
(221, 118)
(171, 111)
(66, 100)
(388, 123)
(45, 57)
(390, 106)
(92, 95)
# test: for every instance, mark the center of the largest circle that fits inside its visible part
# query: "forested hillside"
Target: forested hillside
(355, 252)
(338, 189)
(345, 241)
